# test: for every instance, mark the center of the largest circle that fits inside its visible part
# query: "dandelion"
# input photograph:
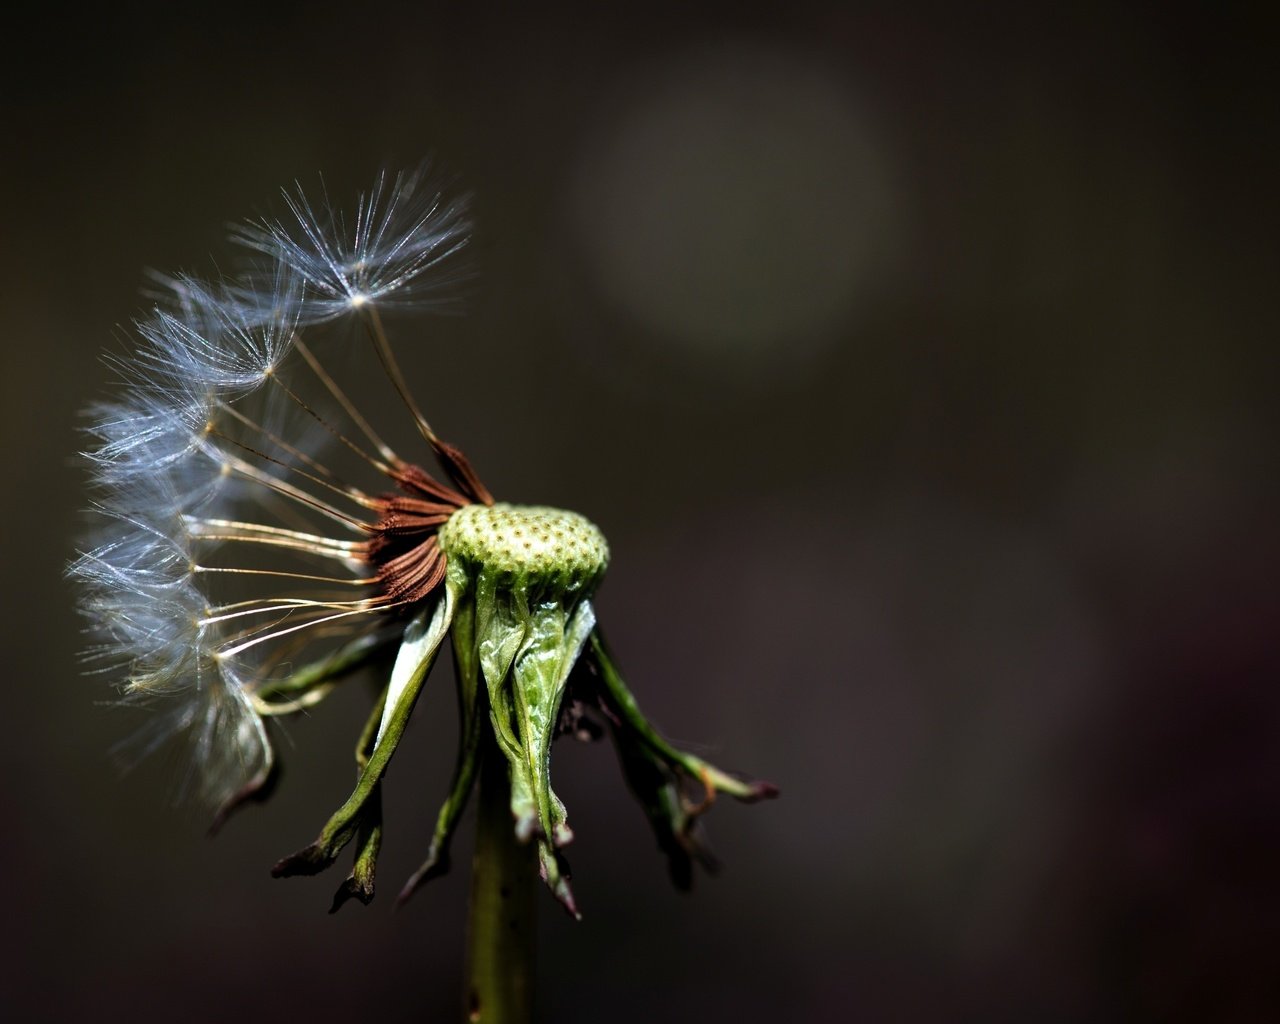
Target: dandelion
(238, 575)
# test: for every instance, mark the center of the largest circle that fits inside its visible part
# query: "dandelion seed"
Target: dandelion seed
(238, 576)
(402, 246)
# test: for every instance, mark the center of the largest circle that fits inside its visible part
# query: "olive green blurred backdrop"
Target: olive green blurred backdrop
(916, 360)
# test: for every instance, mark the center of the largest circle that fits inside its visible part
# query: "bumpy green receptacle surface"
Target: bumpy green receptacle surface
(533, 541)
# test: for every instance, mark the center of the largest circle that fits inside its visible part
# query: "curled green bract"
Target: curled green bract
(517, 602)
(422, 639)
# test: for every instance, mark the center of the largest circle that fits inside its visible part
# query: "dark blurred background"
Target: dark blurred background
(917, 361)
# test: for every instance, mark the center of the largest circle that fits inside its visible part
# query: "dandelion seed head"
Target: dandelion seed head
(239, 570)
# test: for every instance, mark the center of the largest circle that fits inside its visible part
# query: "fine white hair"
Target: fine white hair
(205, 445)
(402, 229)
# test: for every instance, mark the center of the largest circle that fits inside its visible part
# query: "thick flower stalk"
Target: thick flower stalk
(260, 542)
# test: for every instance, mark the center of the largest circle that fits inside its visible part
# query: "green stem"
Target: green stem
(501, 939)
